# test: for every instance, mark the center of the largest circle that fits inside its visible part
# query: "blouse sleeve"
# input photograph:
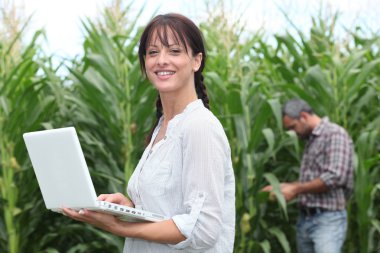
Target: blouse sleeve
(205, 157)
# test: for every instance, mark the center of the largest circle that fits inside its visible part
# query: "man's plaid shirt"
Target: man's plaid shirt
(328, 155)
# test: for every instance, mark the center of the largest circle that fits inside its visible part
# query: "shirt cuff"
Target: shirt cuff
(186, 222)
(328, 179)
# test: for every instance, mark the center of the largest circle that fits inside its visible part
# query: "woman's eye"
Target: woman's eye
(152, 52)
(175, 50)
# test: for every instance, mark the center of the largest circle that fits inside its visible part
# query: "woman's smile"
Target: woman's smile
(164, 74)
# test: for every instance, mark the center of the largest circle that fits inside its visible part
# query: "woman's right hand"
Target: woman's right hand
(116, 198)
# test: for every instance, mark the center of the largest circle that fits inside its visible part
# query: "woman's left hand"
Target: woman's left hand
(103, 221)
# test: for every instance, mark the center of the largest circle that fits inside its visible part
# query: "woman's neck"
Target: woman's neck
(172, 105)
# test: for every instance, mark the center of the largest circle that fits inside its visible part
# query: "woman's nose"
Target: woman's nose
(162, 58)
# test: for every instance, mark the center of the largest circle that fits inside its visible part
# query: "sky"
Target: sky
(61, 18)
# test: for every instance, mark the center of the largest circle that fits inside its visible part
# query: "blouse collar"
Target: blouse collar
(178, 118)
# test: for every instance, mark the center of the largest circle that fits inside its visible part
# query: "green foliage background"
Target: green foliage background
(112, 106)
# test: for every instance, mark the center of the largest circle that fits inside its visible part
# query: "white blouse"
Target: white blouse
(188, 177)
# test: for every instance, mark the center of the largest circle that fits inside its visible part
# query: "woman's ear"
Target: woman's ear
(197, 62)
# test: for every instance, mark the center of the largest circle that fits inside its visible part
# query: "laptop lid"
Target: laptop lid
(64, 179)
(60, 168)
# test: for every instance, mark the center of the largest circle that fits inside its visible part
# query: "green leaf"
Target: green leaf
(269, 137)
(280, 235)
(273, 181)
(265, 246)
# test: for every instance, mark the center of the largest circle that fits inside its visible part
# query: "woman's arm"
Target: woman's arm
(161, 232)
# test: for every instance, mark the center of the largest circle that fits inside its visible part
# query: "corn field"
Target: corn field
(112, 105)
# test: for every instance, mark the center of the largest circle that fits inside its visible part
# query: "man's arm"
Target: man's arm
(292, 190)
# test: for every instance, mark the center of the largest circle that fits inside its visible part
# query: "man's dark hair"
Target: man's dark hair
(294, 107)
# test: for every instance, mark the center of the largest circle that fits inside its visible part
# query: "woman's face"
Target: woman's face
(170, 69)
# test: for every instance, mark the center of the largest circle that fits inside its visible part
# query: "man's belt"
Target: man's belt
(310, 211)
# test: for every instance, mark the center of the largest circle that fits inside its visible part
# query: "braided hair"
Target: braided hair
(184, 32)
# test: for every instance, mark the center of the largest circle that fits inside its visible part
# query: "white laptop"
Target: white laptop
(64, 179)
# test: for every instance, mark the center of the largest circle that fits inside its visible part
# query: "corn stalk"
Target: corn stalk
(109, 91)
(247, 77)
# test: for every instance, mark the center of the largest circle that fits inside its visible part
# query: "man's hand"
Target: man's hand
(269, 189)
(289, 190)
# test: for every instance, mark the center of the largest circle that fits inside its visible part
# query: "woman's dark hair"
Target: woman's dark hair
(185, 33)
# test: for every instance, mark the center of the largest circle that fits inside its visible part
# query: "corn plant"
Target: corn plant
(339, 79)
(25, 104)
(109, 91)
(335, 77)
(104, 88)
(250, 120)
(32, 97)
(112, 106)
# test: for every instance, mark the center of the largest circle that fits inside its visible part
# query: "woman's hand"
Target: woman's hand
(103, 221)
(116, 198)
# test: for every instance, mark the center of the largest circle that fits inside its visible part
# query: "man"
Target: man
(325, 182)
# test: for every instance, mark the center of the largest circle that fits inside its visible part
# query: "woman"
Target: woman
(185, 172)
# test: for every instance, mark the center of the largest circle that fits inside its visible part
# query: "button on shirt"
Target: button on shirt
(328, 155)
(188, 177)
